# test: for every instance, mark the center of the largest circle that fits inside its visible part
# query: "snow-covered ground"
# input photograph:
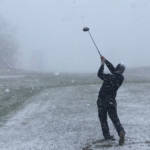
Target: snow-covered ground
(49, 112)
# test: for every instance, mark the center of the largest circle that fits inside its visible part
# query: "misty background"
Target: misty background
(46, 35)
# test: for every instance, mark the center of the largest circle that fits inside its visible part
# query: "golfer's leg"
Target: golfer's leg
(102, 113)
(112, 111)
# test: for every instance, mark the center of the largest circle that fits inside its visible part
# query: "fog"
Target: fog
(50, 38)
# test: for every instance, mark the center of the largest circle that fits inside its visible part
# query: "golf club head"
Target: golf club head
(85, 29)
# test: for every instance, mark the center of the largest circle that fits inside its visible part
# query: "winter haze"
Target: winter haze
(50, 38)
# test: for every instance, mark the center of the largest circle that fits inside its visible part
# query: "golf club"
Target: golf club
(87, 29)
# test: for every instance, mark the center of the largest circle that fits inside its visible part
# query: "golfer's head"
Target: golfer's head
(120, 68)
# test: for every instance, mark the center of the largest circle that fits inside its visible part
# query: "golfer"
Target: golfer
(107, 98)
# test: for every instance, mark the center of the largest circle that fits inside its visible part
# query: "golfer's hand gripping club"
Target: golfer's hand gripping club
(102, 59)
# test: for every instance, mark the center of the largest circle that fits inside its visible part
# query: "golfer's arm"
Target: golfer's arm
(110, 66)
(100, 73)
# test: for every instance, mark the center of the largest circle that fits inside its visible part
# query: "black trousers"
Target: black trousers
(109, 107)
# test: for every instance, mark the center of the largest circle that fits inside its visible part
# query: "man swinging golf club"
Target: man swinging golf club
(106, 100)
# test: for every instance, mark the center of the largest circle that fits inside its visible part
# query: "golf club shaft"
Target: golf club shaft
(94, 43)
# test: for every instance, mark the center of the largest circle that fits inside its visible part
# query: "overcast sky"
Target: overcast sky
(50, 37)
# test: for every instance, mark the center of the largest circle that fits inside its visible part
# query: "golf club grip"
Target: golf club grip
(94, 43)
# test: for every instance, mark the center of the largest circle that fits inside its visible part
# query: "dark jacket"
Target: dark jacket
(111, 82)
